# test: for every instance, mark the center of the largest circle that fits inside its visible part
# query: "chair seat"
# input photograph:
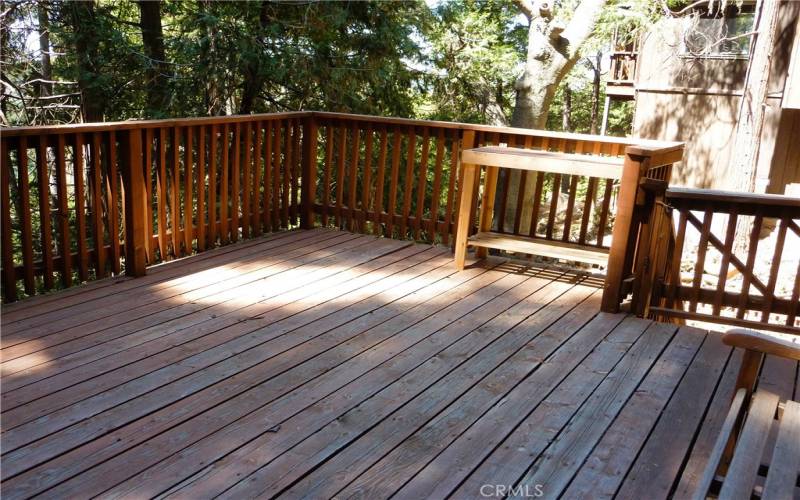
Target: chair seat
(744, 477)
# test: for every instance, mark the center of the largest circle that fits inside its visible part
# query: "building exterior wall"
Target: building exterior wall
(696, 100)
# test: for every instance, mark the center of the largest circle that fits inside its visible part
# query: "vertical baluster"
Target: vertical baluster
(98, 229)
(25, 216)
(175, 198)
(188, 197)
(265, 215)
(201, 188)
(287, 173)
(505, 174)
(573, 189)
(326, 175)
(352, 181)
(727, 250)
(794, 302)
(148, 180)
(255, 200)
(775, 265)
(277, 179)
(747, 276)
(591, 190)
(246, 179)
(162, 188)
(422, 183)
(411, 152)
(295, 165)
(366, 188)
(80, 207)
(114, 197)
(379, 182)
(538, 192)
(340, 153)
(601, 226)
(701, 258)
(213, 137)
(64, 248)
(394, 175)
(223, 207)
(451, 187)
(43, 174)
(433, 226)
(9, 276)
(236, 151)
(554, 195)
(675, 264)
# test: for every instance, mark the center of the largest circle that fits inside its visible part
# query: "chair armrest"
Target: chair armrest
(783, 345)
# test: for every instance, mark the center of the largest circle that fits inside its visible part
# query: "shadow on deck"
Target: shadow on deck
(321, 363)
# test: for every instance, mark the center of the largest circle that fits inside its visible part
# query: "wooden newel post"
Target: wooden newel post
(470, 178)
(135, 204)
(623, 239)
(309, 173)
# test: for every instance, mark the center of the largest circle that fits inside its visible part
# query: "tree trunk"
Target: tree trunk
(212, 97)
(566, 111)
(86, 41)
(45, 87)
(595, 93)
(750, 120)
(253, 77)
(551, 53)
(157, 68)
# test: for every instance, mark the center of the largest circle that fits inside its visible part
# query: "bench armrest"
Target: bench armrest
(785, 346)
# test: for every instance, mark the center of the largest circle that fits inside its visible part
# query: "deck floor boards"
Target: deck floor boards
(323, 363)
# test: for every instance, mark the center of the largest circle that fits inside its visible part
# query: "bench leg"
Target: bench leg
(487, 207)
(464, 210)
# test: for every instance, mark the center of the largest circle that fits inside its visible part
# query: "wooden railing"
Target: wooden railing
(693, 268)
(83, 202)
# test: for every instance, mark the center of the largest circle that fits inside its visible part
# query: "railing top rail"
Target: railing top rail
(644, 144)
(717, 196)
(134, 124)
(641, 146)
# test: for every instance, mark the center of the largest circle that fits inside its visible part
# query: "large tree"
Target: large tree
(552, 51)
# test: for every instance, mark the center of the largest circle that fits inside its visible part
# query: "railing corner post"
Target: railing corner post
(135, 204)
(621, 244)
(309, 172)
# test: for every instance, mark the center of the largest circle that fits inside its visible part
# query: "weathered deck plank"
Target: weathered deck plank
(321, 363)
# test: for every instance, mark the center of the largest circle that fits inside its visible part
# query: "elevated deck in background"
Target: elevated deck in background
(320, 363)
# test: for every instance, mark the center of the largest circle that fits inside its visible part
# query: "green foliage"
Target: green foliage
(455, 60)
(475, 48)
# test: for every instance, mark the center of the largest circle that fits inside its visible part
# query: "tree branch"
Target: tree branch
(526, 6)
(582, 24)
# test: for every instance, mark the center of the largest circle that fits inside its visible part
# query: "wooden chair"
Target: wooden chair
(736, 459)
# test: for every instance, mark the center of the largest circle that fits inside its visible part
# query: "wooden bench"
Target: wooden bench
(495, 157)
(735, 463)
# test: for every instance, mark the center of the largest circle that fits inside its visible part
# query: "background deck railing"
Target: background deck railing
(692, 268)
(82, 202)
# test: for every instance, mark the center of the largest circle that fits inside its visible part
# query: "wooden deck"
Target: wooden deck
(321, 363)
